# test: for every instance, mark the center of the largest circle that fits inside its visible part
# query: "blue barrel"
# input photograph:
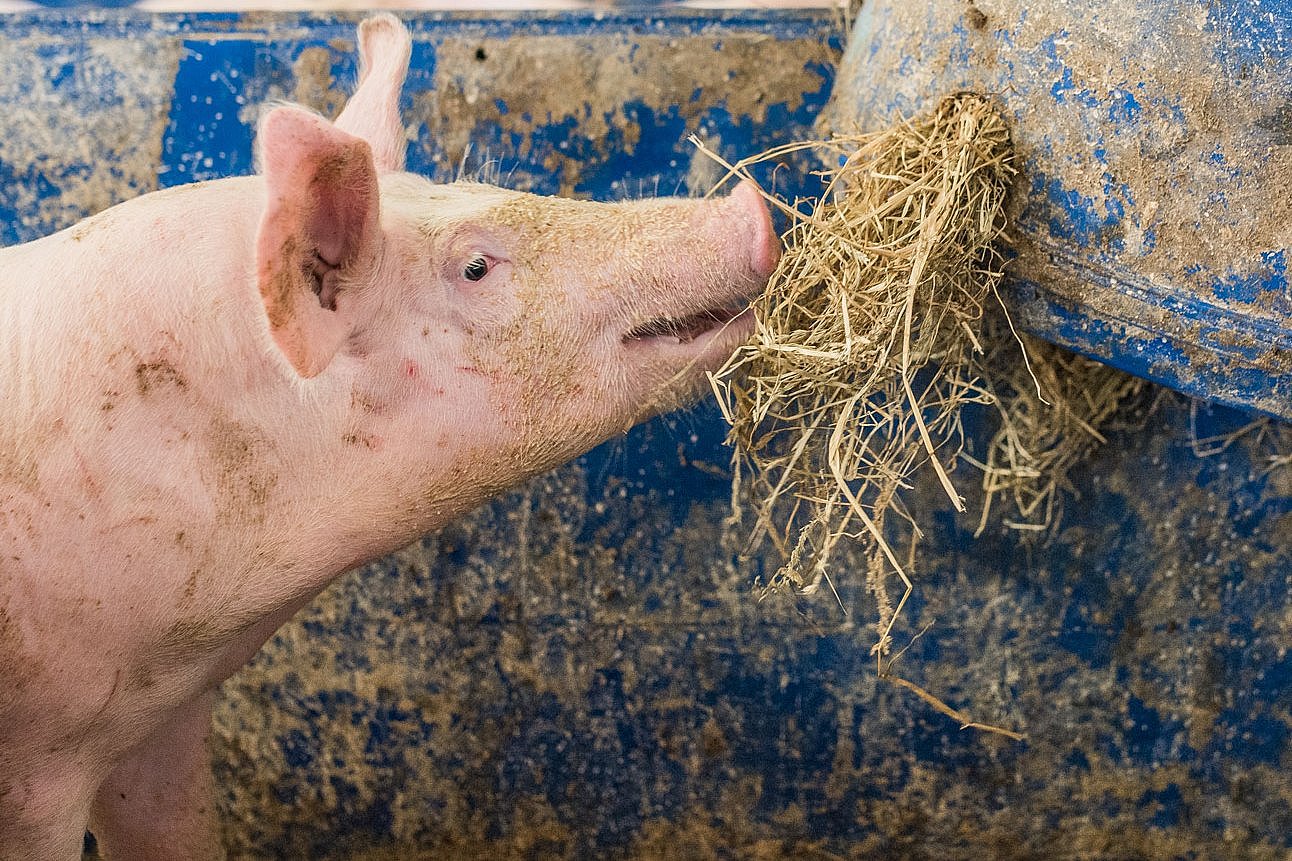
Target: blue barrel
(1152, 222)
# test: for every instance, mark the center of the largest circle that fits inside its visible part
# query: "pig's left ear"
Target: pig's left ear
(373, 111)
(320, 228)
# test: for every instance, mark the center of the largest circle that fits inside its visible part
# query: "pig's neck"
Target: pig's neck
(151, 426)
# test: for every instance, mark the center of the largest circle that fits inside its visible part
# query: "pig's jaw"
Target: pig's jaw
(692, 329)
(676, 354)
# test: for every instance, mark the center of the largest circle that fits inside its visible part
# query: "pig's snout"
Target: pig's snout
(706, 314)
(746, 205)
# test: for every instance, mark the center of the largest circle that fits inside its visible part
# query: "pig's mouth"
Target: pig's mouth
(684, 330)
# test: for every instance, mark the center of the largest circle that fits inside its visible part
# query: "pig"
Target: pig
(218, 397)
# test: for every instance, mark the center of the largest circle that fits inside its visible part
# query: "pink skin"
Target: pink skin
(219, 397)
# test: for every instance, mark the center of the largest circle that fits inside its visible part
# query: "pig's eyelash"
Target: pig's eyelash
(477, 268)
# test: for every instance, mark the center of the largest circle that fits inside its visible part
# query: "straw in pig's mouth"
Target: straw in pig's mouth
(688, 328)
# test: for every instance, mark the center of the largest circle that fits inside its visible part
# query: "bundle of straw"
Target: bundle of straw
(868, 341)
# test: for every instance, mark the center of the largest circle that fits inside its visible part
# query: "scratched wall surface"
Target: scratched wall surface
(1153, 227)
(580, 669)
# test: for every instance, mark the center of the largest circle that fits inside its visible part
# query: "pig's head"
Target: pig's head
(483, 334)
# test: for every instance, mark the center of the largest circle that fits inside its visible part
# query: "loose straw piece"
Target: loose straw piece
(956, 715)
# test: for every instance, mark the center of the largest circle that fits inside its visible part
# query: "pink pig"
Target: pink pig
(218, 397)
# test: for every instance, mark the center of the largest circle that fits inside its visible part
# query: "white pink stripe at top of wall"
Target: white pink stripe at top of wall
(419, 5)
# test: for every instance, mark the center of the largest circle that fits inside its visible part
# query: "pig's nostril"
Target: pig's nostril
(767, 252)
(765, 246)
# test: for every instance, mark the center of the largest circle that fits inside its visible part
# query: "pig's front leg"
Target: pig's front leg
(159, 802)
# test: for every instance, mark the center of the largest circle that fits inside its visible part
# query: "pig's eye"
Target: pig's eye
(476, 269)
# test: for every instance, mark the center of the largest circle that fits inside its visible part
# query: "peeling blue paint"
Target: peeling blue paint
(1064, 90)
(1123, 107)
(1078, 219)
(1269, 277)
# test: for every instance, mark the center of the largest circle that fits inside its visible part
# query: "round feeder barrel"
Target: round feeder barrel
(1151, 219)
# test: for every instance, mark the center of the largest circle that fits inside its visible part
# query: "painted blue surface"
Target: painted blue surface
(1153, 141)
(619, 679)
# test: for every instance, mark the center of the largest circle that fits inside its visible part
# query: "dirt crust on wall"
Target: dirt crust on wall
(573, 672)
(597, 84)
(82, 119)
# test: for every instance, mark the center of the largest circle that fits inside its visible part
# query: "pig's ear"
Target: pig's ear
(320, 229)
(373, 111)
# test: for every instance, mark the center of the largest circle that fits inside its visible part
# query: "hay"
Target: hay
(1271, 442)
(1053, 414)
(867, 342)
